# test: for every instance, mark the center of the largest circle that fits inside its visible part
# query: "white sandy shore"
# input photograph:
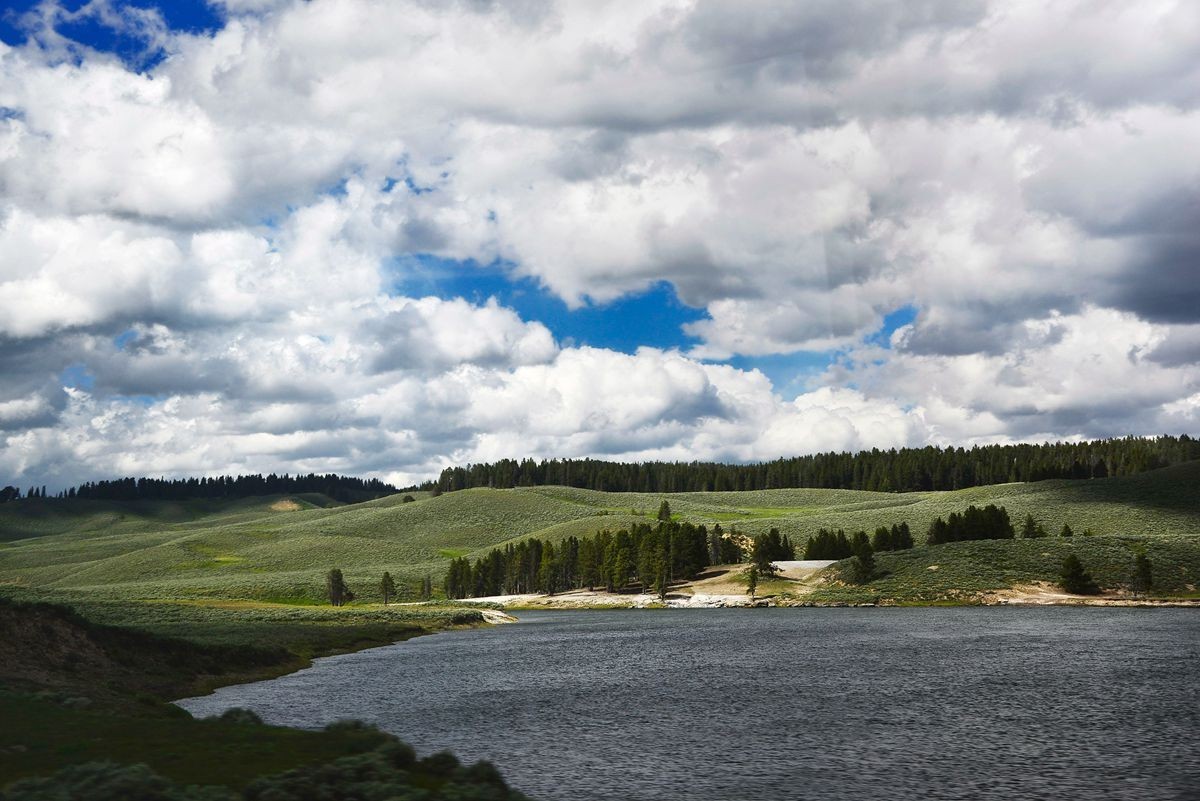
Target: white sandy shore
(717, 587)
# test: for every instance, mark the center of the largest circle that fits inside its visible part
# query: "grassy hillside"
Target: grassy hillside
(278, 549)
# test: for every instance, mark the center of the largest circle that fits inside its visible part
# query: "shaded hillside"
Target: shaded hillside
(47, 646)
(37, 517)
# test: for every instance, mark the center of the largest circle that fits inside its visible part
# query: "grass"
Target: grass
(965, 571)
(47, 731)
(249, 549)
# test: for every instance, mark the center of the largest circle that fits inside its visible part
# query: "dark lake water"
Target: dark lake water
(976, 703)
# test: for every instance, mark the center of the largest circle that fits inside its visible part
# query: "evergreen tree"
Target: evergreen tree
(767, 548)
(1029, 529)
(862, 565)
(1075, 579)
(336, 589)
(1066, 531)
(1143, 574)
(547, 570)
(882, 539)
(664, 511)
(752, 580)
(387, 587)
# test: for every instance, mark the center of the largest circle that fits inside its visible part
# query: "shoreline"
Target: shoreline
(210, 684)
(591, 601)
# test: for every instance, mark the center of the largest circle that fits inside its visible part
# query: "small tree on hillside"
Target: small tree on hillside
(1032, 529)
(336, 589)
(664, 511)
(862, 565)
(1066, 531)
(427, 589)
(387, 587)
(1075, 579)
(752, 580)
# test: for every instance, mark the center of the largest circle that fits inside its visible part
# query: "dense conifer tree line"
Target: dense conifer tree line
(904, 470)
(346, 489)
(989, 523)
(828, 544)
(645, 557)
(896, 538)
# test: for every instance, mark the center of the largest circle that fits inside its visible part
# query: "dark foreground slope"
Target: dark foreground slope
(89, 701)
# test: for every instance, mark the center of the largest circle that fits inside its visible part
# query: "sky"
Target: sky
(380, 237)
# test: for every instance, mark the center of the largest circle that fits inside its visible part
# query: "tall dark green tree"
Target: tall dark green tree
(767, 548)
(664, 511)
(752, 580)
(387, 587)
(1075, 579)
(862, 564)
(336, 588)
(1143, 574)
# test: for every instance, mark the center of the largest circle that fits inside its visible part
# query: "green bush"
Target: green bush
(108, 781)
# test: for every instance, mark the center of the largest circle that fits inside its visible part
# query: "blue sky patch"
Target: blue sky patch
(653, 318)
(187, 16)
(77, 376)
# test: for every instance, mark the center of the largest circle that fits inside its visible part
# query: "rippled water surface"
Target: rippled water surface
(991, 703)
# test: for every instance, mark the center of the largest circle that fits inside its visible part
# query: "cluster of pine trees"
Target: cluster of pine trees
(11, 493)
(650, 557)
(346, 489)
(904, 470)
(989, 523)
(829, 544)
(896, 538)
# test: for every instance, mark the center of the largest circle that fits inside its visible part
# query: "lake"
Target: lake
(725, 704)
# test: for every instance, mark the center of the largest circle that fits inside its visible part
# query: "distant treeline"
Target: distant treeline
(904, 470)
(341, 488)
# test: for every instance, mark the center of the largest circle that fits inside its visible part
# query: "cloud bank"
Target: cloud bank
(199, 259)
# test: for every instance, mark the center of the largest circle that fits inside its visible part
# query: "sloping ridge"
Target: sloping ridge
(47, 646)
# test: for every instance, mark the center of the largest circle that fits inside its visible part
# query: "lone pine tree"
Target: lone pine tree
(1143, 574)
(1075, 579)
(337, 590)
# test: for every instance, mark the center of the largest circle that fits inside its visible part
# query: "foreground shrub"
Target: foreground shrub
(108, 781)
(240, 716)
(389, 773)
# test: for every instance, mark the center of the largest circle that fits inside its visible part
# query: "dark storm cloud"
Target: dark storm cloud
(1162, 280)
(822, 41)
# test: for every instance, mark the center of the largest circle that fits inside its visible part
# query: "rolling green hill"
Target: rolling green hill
(278, 548)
